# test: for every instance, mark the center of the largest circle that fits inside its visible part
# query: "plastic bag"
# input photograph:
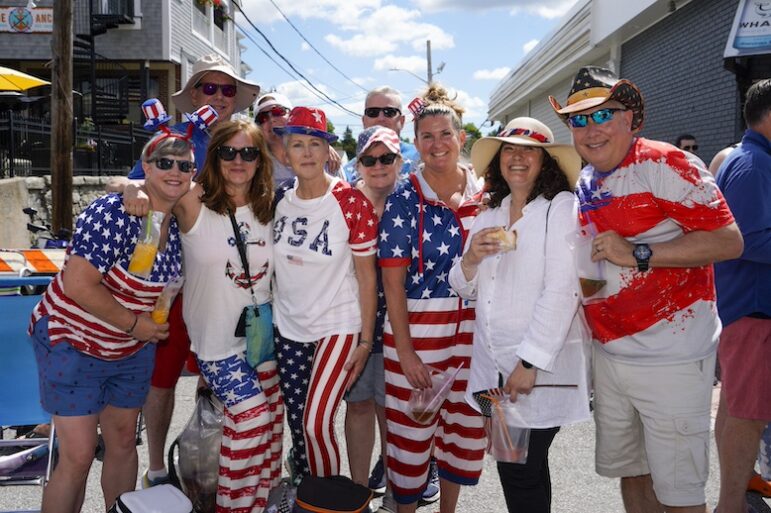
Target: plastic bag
(199, 450)
(143, 258)
(424, 404)
(259, 335)
(591, 275)
(508, 438)
(160, 313)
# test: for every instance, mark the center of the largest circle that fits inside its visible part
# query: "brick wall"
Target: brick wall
(678, 65)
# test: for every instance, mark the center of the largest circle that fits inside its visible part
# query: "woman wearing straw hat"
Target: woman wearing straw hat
(324, 241)
(519, 268)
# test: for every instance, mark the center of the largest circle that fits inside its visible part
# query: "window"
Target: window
(210, 22)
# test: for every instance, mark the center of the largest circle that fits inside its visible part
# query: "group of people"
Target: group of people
(393, 269)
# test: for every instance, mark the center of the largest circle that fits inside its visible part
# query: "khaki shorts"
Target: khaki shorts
(655, 420)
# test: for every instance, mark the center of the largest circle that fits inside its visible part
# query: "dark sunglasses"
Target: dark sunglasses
(165, 164)
(599, 117)
(389, 112)
(691, 147)
(248, 153)
(386, 159)
(210, 89)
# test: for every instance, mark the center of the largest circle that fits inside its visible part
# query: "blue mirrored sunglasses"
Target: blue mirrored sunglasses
(599, 117)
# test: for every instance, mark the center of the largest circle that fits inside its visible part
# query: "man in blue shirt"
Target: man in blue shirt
(383, 106)
(744, 304)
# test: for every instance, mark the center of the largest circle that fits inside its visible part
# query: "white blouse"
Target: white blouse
(527, 308)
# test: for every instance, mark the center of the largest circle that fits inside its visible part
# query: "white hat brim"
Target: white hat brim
(247, 92)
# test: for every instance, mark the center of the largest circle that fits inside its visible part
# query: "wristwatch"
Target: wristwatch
(642, 253)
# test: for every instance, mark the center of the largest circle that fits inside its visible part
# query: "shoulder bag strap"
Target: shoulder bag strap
(242, 253)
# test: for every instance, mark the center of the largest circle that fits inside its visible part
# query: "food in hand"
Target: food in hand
(160, 315)
(508, 239)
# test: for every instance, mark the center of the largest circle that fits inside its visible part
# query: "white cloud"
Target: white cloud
(361, 45)
(476, 107)
(494, 74)
(529, 45)
(363, 80)
(305, 46)
(544, 8)
(414, 64)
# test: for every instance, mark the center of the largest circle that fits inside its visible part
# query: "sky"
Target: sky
(479, 42)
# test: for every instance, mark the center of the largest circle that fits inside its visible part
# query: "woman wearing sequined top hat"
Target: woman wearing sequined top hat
(324, 239)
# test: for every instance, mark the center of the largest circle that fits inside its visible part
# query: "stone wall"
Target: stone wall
(35, 192)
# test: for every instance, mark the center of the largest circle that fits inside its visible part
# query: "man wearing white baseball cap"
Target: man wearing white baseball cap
(272, 111)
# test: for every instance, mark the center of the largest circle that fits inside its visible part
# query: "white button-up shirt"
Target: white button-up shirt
(527, 308)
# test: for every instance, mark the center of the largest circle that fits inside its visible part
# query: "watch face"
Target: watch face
(642, 252)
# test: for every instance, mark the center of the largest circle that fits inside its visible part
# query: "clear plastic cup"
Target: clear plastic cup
(508, 439)
(143, 258)
(591, 275)
(424, 404)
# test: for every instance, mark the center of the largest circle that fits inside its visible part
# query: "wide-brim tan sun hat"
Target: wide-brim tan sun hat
(526, 131)
(246, 91)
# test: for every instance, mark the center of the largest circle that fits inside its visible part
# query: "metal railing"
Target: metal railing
(25, 147)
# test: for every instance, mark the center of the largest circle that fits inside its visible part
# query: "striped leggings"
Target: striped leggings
(250, 454)
(313, 382)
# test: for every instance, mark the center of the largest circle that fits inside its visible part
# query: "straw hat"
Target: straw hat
(594, 86)
(526, 132)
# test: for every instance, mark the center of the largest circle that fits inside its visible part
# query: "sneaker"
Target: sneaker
(377, 479)
(149, 483)
(388, 505)
(759, 485)
(431, 493)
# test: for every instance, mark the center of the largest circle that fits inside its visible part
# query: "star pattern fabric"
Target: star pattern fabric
(252, 435)
(105, 235)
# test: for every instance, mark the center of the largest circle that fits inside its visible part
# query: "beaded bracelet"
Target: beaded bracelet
(367, 344)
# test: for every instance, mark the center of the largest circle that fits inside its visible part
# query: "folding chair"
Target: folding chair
(19, 392)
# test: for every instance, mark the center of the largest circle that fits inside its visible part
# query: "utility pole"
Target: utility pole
(429, 72)
(61, 117)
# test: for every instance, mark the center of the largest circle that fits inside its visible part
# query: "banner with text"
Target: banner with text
(23, 20)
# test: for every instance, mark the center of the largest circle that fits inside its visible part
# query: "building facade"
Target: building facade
(674, 50)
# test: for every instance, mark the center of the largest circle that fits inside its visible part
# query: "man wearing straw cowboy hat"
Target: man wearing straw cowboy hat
(213, 82)
(660, 221)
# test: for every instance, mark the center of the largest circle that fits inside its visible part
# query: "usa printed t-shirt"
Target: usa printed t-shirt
(106, 235)
(657, 194)
(316, 293)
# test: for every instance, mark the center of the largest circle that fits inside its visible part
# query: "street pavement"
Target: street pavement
(576, 487)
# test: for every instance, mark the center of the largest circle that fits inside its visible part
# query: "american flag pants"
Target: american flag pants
(250, 454)
(313, 381)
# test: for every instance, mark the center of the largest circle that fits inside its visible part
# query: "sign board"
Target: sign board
(25, 21)
(751, 30)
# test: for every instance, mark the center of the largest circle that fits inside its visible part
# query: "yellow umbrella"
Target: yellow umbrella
(13, 80)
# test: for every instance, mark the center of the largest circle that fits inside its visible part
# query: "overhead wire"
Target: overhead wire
(315, 49)
(298, 72)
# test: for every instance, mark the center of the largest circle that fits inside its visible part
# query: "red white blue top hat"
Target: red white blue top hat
(203, 118)
(307, 121)
(155, 114)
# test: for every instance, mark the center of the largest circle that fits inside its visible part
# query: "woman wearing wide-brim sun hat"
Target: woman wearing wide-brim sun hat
(519, 268)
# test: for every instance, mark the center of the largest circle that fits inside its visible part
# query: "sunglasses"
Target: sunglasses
(275, 112)
(389, 112)
(599, 117)
(164, 164)
(386, 159)
(248, 153)
(690, 147)
(210, 89)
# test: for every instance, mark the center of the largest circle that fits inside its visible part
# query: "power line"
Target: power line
(298, 72)
(314, 48)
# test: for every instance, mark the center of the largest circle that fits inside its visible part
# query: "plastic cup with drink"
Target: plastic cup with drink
(143, 258)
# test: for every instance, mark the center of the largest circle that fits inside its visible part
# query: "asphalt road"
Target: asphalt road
(576, 487)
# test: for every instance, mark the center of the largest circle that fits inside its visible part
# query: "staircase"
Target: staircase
(105, 99)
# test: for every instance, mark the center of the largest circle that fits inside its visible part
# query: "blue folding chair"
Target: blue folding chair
(19, 391)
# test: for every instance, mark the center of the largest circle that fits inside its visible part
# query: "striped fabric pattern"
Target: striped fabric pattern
(250, 454)
(421, 233)
(313, 381)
